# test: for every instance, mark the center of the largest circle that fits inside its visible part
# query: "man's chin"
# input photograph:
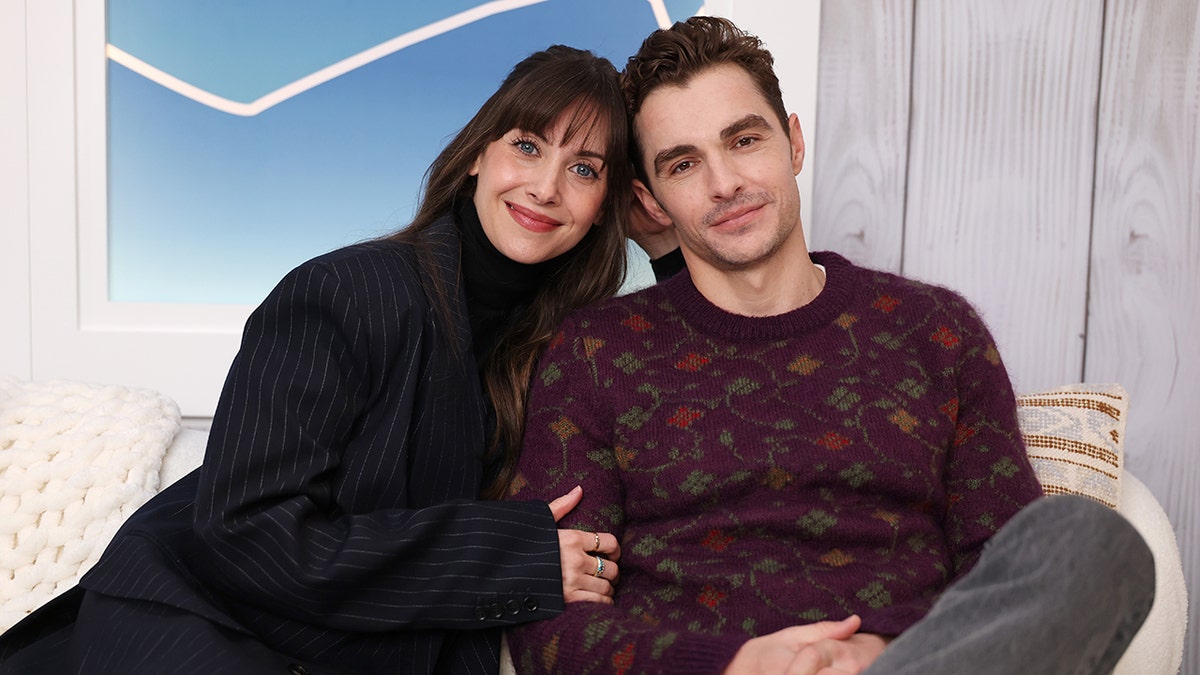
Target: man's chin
(741, 258)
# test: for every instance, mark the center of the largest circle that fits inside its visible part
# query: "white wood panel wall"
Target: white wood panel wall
(861, 147)
(1144, 314)
(1000, 169)
(1043, 159)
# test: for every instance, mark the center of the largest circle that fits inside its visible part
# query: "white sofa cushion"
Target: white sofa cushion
(76, 460)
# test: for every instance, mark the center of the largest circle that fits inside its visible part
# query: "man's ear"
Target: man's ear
(796, 138)
(650, 203)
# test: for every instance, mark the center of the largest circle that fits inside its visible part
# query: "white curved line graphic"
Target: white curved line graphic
(321, 76)
(661, 15)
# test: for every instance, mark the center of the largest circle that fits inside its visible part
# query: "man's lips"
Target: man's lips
(530, 219)
(735, 218)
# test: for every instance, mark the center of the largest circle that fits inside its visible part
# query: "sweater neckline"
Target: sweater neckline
(823, 309)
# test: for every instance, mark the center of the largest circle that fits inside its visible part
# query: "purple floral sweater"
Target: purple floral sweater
(851, 456)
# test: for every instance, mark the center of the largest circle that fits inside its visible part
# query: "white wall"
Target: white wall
(15, 352)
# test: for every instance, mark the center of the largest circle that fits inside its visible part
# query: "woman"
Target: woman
(333, 526)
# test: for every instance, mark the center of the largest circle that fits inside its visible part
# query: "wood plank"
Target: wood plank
(860, 155)
(1000, 170)
(1144, 312)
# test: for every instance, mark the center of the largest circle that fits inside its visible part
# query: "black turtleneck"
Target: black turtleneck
(497, 288)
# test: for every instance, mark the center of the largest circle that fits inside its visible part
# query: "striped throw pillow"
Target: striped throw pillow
(1075, 438)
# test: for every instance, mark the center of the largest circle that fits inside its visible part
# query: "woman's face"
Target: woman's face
(536, 196)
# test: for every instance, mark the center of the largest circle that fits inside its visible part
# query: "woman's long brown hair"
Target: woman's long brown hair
(535, 94)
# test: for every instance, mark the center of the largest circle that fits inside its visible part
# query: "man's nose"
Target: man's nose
(723, 178)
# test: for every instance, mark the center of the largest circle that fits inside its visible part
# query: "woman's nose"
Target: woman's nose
(543, 185)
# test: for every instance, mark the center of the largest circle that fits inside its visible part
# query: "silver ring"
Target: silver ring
(599, 565)
(597, 546)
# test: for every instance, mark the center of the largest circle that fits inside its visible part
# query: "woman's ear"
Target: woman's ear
(651, 204)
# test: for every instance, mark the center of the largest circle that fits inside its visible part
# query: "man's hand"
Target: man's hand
(776, 653)
(580, 554)
(838, 657)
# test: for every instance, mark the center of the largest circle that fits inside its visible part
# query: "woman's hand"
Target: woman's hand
(589, 568)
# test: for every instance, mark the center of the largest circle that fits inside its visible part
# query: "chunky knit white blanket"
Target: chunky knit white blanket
(76, 460)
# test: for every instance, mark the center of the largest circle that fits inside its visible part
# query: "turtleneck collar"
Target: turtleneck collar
(711, 319)
(497, 288)
(491, 278)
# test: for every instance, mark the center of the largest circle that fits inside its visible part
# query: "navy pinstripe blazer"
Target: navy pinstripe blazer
(334, 518)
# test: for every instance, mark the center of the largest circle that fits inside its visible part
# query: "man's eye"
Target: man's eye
(745, 140)
(681, 167)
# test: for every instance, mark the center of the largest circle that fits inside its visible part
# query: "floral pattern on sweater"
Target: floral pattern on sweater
(851, 456)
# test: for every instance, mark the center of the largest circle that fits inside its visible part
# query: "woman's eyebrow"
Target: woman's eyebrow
(593, 154)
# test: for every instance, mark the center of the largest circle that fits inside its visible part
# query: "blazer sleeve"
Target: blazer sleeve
(303, 500)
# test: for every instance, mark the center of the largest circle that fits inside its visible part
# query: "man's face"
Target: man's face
(721, 168)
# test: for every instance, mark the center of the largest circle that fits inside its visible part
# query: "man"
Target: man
(800, 456)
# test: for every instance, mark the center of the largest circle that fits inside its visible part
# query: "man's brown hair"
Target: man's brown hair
(675, 55)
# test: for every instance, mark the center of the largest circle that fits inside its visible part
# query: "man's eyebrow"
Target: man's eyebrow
(751, 121)
(663, 158)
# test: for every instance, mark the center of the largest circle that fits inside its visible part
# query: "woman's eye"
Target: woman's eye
(527, 147)
(584, 170)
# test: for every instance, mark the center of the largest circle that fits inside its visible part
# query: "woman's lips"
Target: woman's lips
(531, 220)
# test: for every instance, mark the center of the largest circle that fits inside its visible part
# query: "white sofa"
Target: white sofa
(77, 459)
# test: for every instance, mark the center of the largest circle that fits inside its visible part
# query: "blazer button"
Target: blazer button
(497, 611)
(297, 669)
(513, 607)
(531, 603)
(481, 612)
